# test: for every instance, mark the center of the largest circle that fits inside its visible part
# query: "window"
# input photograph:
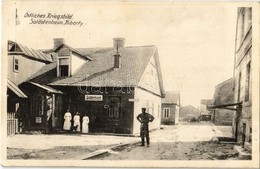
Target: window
(166, 112)
(16, 65)
(239, 86)
(40, 105)
(248, 70)
(64, 67)
(114, 110)
(64, 70)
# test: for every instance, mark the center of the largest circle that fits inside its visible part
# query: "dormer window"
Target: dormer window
(64, 67)
(64, 70)
(16, 65)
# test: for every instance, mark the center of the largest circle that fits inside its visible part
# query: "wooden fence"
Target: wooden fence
(12, 123)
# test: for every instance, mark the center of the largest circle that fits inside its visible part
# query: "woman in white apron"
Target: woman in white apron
(76, 119)
(67, 119)
(85, 122)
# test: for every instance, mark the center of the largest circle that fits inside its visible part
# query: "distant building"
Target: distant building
(170, 108)
(205, 114)
(224, 94)
(243, 73)
(189, 113)
(110, 85)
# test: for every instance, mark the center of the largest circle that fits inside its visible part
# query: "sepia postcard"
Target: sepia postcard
(130, 84)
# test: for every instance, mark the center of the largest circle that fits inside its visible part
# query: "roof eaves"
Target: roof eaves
(47, 88)
(74, 50)
(12, 86)
(139, 81)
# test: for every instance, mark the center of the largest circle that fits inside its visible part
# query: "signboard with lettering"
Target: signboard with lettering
(38, 120)
(93, 97)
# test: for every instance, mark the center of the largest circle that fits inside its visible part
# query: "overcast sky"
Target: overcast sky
(195, 42)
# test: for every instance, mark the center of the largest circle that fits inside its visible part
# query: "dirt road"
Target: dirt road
(181, 142)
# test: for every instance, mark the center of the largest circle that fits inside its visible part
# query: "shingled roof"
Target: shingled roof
(17, 48)
(206, 101)
(100, 70)
(171, 97)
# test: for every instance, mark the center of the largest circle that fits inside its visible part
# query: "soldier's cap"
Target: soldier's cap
(143, 108)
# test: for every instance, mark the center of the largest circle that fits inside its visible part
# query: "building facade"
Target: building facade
(22, 63)
(170, 108)
(224, 94)
(110, 85)
(205, 113)
(189, 113)
(243, 73)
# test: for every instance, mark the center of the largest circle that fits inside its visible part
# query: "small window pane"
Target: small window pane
(16, 65)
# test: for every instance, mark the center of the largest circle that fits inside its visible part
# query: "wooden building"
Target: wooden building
(110, 85)
(22, 63)
(170, 108)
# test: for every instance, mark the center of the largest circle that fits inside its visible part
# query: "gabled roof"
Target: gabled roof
(206, 101)
(189, 110)
(85, 56)
(17, 48)
(12, 86)
(171, 97)
(100, 71)
(224, 93)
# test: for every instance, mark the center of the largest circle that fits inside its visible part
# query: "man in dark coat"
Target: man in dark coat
(144, 118)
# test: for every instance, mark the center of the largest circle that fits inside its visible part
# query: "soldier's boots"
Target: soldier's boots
(142, 142)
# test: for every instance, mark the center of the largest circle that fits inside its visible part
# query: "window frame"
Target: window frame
(166, 112)
(248, 76)
(16, 64)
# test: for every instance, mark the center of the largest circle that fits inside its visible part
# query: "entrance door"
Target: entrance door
(114, 113)
(38, 108)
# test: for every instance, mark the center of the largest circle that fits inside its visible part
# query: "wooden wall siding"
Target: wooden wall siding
(64, 51)
(97, 110)
(27, 67)
(12, 124)
(34, 93)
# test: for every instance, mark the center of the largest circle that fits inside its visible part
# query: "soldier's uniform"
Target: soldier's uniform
(144, 118)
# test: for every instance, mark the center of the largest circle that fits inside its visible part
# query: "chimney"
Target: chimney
(58, 42)
(117, 60)
(118, 43)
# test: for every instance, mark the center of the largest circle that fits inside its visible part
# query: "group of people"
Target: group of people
(76, 122)
(144, 118)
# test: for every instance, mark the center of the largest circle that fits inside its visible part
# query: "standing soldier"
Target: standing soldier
(144, 118)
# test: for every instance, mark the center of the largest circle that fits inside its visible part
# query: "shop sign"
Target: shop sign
(38, 120)
(93, 97)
